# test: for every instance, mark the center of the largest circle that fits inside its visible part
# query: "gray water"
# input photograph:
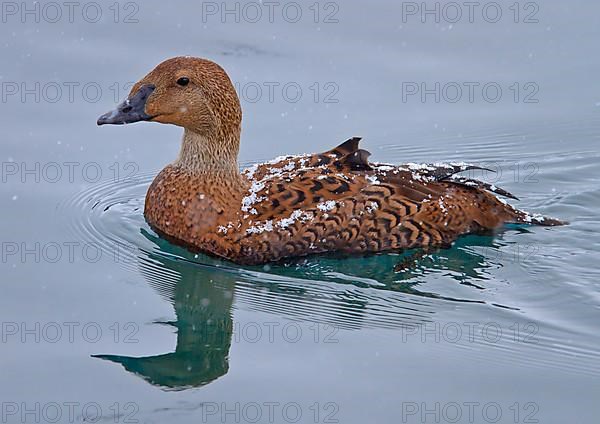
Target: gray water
(103, 321)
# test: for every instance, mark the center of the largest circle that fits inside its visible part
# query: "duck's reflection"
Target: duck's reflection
(469, 262)
(203, 323)
(351, 293)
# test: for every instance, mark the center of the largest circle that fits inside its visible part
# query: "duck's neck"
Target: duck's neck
(211, 156)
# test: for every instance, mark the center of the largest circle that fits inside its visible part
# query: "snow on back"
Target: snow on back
(297, 215)
(326, 206)
(373, 179)
(253, 197)
(249, 172)
(533, 218)
(371, 207)
(259, 229)
(442, 204)
(282, 164)
(419, 167)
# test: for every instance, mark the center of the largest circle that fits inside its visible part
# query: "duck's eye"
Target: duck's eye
(183, 81)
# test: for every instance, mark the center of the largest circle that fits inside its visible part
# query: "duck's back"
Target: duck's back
(330, 202)
(339, 202)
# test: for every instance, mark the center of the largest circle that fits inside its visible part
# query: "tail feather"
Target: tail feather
(522, 217)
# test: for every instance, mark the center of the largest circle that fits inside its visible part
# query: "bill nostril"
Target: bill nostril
(130, 110)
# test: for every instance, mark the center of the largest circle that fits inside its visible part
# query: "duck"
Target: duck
(335, 202)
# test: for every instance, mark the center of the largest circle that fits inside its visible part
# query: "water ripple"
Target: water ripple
(365, 293)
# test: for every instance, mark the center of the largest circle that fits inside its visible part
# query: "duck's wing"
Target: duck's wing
(450, 171)
(338, 200)
(294, 182)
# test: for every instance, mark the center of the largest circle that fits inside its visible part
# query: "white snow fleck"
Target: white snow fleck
(326, 206)
(297, 214)
(285, 222)
(289, 167)
(373, 179)
(442, 205)
(259, 229)
(461, 164)
(419, 167)
(372, 207)
(250, 171)
(253, 198)
(536, 217)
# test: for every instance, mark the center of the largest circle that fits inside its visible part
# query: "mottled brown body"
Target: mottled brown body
(321, 203)
(336, 201)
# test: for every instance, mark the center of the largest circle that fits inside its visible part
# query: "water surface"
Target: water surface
(98, 310)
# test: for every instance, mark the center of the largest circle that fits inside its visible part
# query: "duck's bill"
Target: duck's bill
(131, 110)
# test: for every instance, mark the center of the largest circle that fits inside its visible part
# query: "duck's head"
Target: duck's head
(190, 92)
